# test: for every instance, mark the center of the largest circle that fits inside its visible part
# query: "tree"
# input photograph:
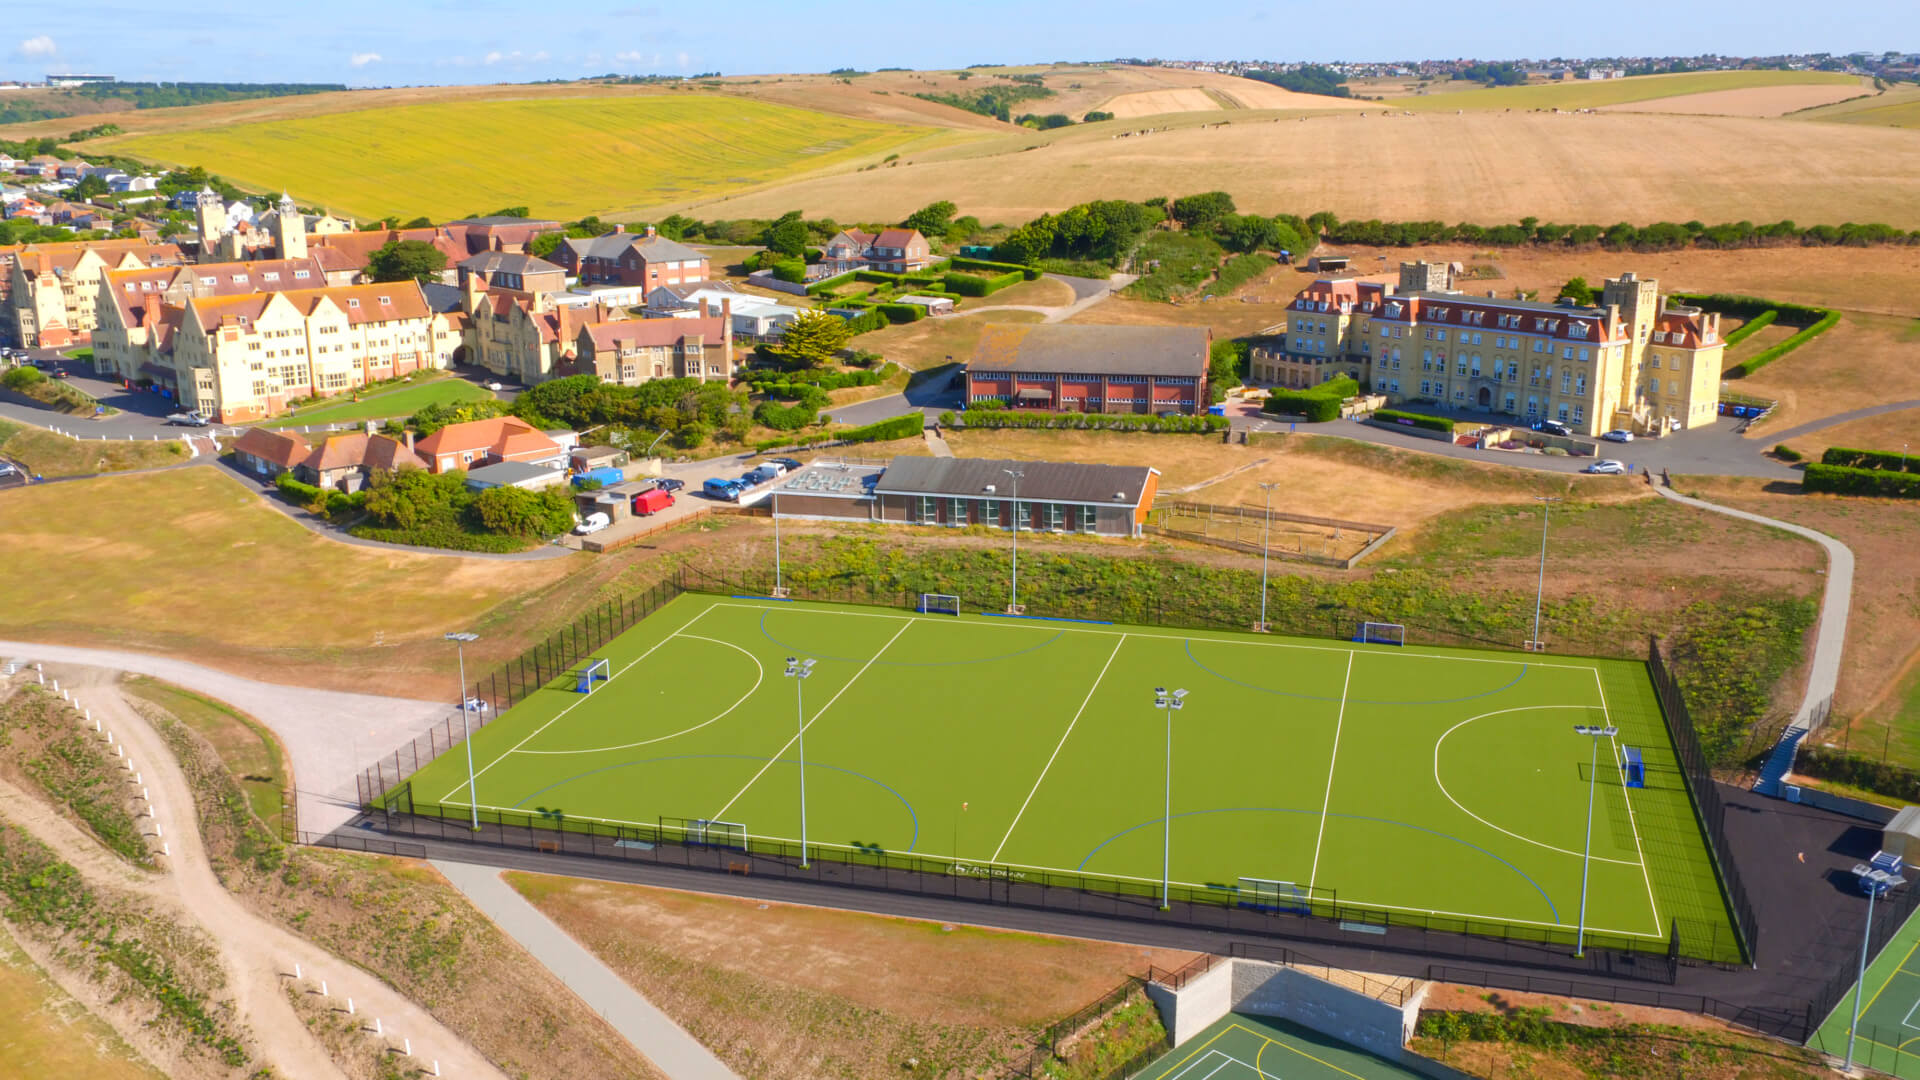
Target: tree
(1200, 211)
(410, 497)
(88, 187)
(1246, 232)
(931, 219)
(1096, 116)
(22, 377)
(815, 338)
(519, 512)
(421, 222)
(787, 235)
(1578, 291)
(792, 271)
(406, 260)
(545, 244)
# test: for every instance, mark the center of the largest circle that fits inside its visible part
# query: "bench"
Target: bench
(551, 847)
(739, 866)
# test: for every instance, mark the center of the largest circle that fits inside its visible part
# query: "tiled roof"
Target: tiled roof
(500, 434)
(506, 262)
(283, 448)
(495, 220)
(361, 303)
(371, 451)
(612, 245)
(1107, 350)
(652, 332)
(897, 238)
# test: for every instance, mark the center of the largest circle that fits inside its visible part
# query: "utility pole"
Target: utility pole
(1540, 590)
(466, 737)
(798, 670)
(1170, 704)
(1013, 606)
(1266, 543)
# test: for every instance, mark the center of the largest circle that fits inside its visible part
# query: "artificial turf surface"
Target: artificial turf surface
(1413, 782)
(1889, 1035)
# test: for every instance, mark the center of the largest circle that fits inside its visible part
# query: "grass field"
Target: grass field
(1240, 1047)
(1585, 94)
(45, 1032)
(47, 454)
(1033, 747)
(404, 401)
(621, 153)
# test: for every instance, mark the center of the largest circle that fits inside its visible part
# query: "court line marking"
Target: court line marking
(1091, 690)
(1613, 752)
(722, 813)
(1456, 802)
(1286, 1046)
(1591, 929)
(1907, 1020)
(758, 679)
(584, 698)
(1868, 1007)
(1188, 1064)
(1333, 761)
(1396, 650)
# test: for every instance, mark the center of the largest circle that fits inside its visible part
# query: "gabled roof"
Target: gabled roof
(688, 288)
(898, 238)
(612, 245)
(502, 435)
(640, 333)
(379, 302)
(496, 220)
(505, 262)
(1106, 350)
(283, 448)
(1040, 481)
(362, 450)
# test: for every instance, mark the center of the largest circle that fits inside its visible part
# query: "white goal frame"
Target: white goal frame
(931, 603)
(600, 670)
(1382, 633)
(716, 833)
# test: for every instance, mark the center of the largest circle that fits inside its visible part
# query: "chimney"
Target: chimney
(409, 440)
(650, 231)
(703, 307)
(619, 228)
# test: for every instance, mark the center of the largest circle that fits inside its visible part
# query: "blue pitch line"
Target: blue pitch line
(1354, 817)
(1355, 701)
(737, 757)
(903, 663)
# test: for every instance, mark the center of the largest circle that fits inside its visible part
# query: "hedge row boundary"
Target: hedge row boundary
(1407, 419)
(1843, 480)
(900, 427)
(1318, 405)
(1027, 272)
(1880, 777)
(1815, 320)
(1752, 327)
(1868, 459)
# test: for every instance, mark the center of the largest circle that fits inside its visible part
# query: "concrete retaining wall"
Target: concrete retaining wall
(1188, 1011)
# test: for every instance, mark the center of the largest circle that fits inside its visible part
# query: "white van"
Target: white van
(593, 524)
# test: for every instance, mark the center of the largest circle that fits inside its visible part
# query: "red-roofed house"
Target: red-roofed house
(270, 453)
(344, 462)
(483, 442)
(635, 351)
(890, 251)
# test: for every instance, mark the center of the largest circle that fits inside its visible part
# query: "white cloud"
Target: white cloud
(362, 59)
(683, 60)
(542, 55)
(38, 48)
(493, 57)
(631, 57)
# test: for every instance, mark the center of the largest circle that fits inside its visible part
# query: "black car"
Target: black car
(788, 463)
(1552, 427)
(669, 485)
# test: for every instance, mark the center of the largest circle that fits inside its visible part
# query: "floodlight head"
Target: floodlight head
(1159, 691)
(1609, 731)
(463, 636)
(1179, 693)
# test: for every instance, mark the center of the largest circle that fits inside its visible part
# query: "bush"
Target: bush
(1842, 480)
(340, 504)
(300, 494)
(900, 313)
(22, 377)
(785, 417)
(1028, 272)
(973, 285)
(1853, 770)
(1407, 419)
(793, 271)
(1752, 327)
(1241, 269)
(900, 427)
(1866, 459)
(1786, 453)
(977, 416)
(1318, 404)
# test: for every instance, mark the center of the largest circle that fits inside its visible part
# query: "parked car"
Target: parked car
(776, 466)
(1606, 467)
(594, 523)
(668, 484)
(651, 502)
(188, 419)
(478, 705)
(723, 489)
(60, 373)
(762, 474)
(493, 386)
(7, 469)
(1618, 435)
(790, 463)
(1552, 427)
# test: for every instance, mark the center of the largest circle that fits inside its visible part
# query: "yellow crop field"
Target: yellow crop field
(1593, 94)
(563, 156)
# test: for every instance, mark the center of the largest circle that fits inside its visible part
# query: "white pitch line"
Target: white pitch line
(1091, 690)
(1613, 751)
(584, 698)
(817, 714)
(759, 677)
(1332, 761)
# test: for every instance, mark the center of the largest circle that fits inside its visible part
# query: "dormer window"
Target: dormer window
(353, 302)
(209, 282)
(270, 276)
(385, 300)
(299, 275)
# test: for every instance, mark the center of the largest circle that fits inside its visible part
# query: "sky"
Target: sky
(410, 42)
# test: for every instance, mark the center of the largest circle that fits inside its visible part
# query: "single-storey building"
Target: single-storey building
(1103, 500)
(934, 305)
(520, 474)
(482, 442)
(267, 454)
(588, 458)
(344, 462)
(1064, 367)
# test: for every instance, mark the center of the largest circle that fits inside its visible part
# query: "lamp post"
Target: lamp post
(460, 649)
(1013, 606)
(1875, 881)
(798, 670)
(1266, 541)
(1540, 589)
(1170, 704)
(1596, 732)
(779, 591)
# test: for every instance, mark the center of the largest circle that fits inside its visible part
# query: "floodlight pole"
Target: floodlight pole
(1866, 937)
(798, 670)
(1540, 589)
(1013, 605)
(774, 512)
(1266, 543)
(1170, 704)
(1596, 733)
(466, 738)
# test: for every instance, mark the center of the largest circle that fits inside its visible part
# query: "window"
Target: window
(1653, 387)
(1476, 365)
(1476, 338)
(990, 512)
(1584, 353)
(1566, 352)
(1440, 335)
(925, 510)
(1579, 414)
(1533, 405)
(1566, 382)
(1053, 517)
(1580, 385)
(1563, 413)
(957, 512)
(1424, 387)
(1509, 402)
(1089, 519)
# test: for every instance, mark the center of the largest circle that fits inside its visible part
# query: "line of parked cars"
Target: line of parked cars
(730, 490)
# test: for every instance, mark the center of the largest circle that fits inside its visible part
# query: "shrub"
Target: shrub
(900, 313)
(1318, 404)
(1843, 480)
(961, 284)
(22, 377)
(1752, 327)
(1028, 272)
(827, 285)
(1241, 269)
(1786, 453)
(793, 271)
(900, 427)
(1407, 419)
(298, 493)
(785, 417)
(1867, 459)
(339, 503)
(1095, 117)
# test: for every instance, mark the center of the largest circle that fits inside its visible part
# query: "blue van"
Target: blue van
(723, 489)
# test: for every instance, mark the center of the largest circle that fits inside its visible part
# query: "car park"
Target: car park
(650, 502)
(1618, 435)
(772, 467)
(1606, 467)
(723, 489)
(789, 463)
(7, 469)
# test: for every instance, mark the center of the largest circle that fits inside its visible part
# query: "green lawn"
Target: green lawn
(1409, 784)
(404, 401)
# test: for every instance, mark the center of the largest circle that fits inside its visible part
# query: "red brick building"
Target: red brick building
(623, 258)
(1060, 367)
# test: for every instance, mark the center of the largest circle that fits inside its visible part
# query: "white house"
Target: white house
(134, 183)
(753, 316)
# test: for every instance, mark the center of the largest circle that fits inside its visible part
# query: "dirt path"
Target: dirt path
(255, 951)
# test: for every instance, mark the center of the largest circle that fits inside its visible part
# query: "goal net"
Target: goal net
(939, 604)
(597, 671)
(705, 832)
(1265, 894)
(1382, 633)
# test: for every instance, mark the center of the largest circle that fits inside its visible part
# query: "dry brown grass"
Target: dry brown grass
(1155, 102)
(932, 342)
(1042, 291)
(1482, 166)
(783, 991)
(1861, 362)
(1747, 101)
(1887, 431)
